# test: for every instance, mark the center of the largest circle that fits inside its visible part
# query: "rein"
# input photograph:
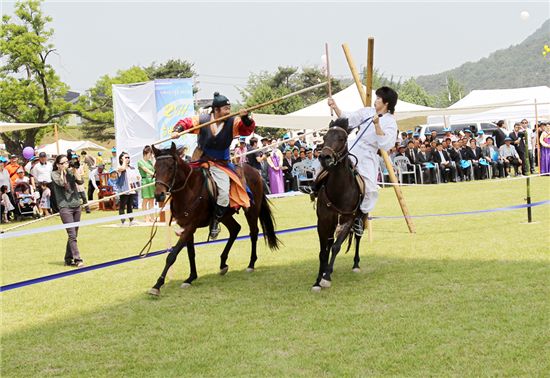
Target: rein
(340, 155)
(173, 181)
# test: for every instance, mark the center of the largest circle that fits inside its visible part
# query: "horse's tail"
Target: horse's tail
(268, 224)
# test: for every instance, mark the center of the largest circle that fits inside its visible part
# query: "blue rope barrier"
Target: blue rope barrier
(68, 273)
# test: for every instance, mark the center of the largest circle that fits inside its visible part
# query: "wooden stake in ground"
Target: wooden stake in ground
(384, 154)
(57, 138)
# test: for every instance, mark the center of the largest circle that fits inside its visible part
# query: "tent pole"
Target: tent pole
(56, 137)
(389, 166)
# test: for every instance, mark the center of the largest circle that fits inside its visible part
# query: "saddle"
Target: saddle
(323, 175)
(211, 186)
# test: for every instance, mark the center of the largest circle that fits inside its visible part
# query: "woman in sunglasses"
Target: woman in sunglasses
(64, 181)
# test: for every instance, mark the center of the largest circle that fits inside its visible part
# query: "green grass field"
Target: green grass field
(464, 296)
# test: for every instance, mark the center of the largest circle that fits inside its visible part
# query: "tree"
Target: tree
(30, 90)
(172, 69)
(266, 86)
(97, 103)
(453, 92)
(412, 92)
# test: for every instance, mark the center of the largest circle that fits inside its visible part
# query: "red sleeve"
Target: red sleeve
(183, 124)
(239, 128)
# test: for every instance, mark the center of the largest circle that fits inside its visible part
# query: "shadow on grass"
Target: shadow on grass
(397, 317)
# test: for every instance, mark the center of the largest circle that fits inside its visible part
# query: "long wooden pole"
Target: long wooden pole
(258, 106)
(387, 161)
(328, 77)
(370, 71)
(56, 133)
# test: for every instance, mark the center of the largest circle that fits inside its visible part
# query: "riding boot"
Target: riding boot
(219, 212)
(358, 225)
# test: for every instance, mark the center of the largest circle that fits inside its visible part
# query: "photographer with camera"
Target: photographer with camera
(75, 163)
(65, 179)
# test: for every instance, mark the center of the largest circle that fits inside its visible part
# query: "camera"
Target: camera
(74, 164)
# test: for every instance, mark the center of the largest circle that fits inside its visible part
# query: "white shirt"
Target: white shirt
(369, 141)
(443, 160)
(42, 172)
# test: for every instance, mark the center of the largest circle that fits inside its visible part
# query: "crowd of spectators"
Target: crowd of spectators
(426, 159)
(26, 184)
(463, 156)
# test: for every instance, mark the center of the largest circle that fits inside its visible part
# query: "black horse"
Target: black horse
(192, 208)
(339, 197)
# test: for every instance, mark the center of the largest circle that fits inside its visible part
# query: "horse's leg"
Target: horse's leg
(356, 259)
(170, 259)
(234, 229)
(342, 234)
(252, 220)
(325, 231)
(192, 267)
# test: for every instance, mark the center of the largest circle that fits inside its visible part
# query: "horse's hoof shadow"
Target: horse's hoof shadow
(316, 289)
(223, 271)
(185, 285)
(154, 292)
(324, 283)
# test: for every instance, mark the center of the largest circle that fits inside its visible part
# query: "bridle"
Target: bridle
(173, 181)
(337, 156)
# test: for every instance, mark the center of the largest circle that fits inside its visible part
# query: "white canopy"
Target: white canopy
(64, 145)
(507, 104)
(317, 116)
(7, 127)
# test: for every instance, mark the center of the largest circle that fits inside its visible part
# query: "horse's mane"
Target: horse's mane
(340, 122)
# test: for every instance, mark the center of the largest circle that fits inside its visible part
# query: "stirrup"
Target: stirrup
(214, 229)
(306, 190)
(357, 226)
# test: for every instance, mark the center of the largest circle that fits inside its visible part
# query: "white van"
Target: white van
(487, 127)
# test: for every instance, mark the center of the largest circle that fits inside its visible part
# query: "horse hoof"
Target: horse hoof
(324, 283)
(185, 285)
(316, 289)
(249, 270)
(154, 292)
(223, 270)
(356, 270)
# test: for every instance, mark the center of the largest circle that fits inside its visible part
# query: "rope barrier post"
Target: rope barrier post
(528, 179)
(529, 215)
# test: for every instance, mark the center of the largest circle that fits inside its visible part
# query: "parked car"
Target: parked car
(487, 127)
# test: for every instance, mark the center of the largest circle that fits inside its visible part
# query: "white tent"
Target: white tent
(519, 104)
(64, 145)
(7, 127)
(318, 116)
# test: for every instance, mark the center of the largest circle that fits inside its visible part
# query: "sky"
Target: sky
(227, 41)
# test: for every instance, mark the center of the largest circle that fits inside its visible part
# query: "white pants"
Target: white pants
(222, 182)
(367, 167)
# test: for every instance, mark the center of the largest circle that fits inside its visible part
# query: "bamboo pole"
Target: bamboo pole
(328, 77)
(267, 103)
(56, 133)
(387, 161)
(370, 71)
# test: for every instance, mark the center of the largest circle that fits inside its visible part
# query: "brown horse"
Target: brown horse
(192, 208)
(339, 197)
